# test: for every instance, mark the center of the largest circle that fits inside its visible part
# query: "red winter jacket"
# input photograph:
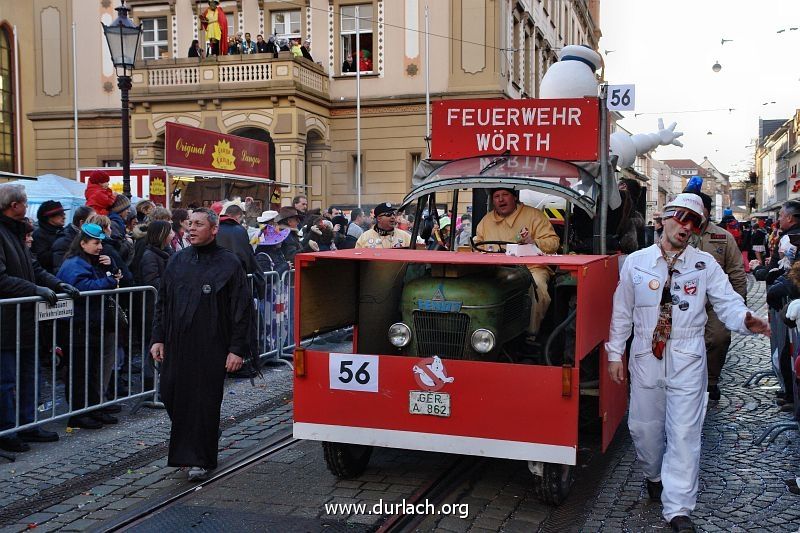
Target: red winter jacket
(99, 198)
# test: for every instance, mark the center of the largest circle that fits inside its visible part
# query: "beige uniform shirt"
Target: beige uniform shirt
(371, 239)
(723, 247)
(524, 219)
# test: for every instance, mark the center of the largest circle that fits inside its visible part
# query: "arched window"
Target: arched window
(6, 102)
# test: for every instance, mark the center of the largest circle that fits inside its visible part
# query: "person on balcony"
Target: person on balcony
(306, 50)
(234, 46)
(261, 45)
(196, 50)
(215, 25)
(296, 48)
(248, 46)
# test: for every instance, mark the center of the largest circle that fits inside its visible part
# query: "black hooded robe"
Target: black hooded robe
(202, 313)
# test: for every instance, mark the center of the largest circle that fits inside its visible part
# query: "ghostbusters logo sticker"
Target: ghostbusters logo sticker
(430, 374)
(690, 287)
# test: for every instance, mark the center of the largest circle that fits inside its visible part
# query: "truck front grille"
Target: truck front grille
(442, 334)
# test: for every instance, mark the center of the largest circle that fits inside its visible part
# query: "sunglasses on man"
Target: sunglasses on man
(684, 216)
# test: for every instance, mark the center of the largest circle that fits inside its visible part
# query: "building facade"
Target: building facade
(477, 49)
(777, 160)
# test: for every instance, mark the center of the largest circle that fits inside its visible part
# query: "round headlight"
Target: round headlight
(483, 340)
(399, 334)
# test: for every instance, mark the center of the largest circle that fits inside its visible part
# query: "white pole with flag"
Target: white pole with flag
(358, 107)
(427, 82)
(75, 96)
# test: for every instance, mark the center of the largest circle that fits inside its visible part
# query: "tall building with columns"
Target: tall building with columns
(306, 108)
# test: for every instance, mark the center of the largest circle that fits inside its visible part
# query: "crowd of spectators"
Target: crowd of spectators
(243, 44)
(109, 243)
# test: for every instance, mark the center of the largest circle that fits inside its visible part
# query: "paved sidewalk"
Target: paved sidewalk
(741, 484)
(90, 475)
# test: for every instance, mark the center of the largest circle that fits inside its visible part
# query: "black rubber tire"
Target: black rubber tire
(346, 460)
(553, 486)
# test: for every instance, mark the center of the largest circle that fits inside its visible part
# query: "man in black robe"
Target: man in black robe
(200, 331)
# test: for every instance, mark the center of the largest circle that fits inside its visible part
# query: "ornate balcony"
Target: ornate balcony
(228, 77)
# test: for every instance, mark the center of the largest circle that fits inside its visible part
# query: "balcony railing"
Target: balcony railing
(228, 76)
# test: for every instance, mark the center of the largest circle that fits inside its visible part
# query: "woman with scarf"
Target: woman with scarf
(87, 270)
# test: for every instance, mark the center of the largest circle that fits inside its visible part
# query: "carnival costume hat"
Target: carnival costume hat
(93, 231)
(266, 216)
(271, 236)
(686, 200)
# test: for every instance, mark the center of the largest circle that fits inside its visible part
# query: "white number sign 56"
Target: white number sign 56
(621, 97)
(353, 372)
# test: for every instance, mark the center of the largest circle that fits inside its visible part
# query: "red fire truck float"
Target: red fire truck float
(436, 362)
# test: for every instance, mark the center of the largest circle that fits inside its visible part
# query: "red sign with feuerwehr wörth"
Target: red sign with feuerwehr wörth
(562, 129)
(198, 149)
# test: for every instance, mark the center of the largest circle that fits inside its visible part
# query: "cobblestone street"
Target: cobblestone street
(89, 479)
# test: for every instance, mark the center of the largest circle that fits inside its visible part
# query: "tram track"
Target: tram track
(281, 441)
(435, 491)
(46, 498)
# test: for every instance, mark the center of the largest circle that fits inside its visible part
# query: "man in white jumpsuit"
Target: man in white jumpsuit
(662, 295)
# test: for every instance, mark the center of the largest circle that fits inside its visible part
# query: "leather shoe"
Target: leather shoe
(38, 435)
(14, 444)
(104, 418)
(84, 422)
(682, 524)
(654, 489)
(714, 393)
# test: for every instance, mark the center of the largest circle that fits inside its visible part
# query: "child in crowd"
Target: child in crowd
(99, 195)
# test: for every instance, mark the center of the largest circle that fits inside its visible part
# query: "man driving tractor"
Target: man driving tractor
(514, 222)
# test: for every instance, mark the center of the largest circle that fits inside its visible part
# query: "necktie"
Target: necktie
(664, 326)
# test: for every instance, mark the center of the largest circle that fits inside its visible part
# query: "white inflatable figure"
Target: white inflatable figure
(574, 77)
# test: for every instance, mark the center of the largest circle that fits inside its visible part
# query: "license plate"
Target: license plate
(429, 403)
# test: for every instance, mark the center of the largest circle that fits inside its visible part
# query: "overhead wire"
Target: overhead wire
(400, 27)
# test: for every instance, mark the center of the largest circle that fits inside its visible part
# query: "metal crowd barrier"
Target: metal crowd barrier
(60, 360)
(274, 322)
(62, 368)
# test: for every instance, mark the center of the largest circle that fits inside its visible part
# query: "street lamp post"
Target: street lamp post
(123, 38)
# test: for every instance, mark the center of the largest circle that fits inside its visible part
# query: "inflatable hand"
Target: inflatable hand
(793, 311)
(627, 147)
(669, 135)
